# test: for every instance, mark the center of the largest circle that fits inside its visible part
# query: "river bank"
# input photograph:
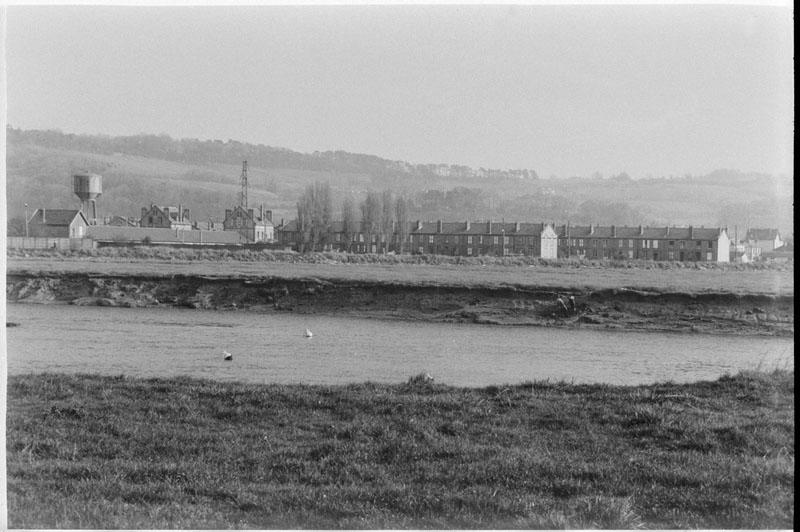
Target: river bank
(117, 452)
(502, 303)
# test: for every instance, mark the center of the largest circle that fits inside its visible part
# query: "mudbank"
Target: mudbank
(722, 313)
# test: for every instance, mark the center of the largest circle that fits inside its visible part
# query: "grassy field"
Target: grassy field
(667, 277)
(117, 452)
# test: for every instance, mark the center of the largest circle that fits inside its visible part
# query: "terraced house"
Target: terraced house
(441, 238)
(691, 244)
(471, 239)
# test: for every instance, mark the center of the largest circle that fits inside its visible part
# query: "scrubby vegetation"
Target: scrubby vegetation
(251, 255)
(106, 452)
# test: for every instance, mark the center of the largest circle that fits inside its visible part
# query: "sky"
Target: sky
(565, 90)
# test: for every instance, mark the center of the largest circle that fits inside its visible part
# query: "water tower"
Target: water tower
(88, 187)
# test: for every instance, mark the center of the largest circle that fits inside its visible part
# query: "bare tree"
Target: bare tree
(349, 223)
(401, 215)
(314, 216)
(387, 216)
(370, 217)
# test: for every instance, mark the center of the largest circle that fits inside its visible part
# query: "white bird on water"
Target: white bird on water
(308, 333)
(227, 356)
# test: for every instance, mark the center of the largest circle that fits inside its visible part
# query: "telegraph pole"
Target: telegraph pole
(26, 220)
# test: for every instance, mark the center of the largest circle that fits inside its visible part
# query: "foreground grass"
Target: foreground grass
(106, 452)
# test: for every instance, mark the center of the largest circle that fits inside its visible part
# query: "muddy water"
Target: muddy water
(271, 348)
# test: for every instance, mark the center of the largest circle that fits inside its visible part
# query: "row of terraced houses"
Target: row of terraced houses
(529, 239)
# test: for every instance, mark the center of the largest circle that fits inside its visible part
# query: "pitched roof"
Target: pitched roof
(246, 213)
(60, 217)
(622, 231)
(762, 234)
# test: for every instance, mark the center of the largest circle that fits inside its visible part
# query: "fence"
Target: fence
(22, 242)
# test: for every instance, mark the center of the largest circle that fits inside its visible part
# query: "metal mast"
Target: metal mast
(243, 197)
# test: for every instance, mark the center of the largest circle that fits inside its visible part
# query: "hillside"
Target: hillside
(204, 176)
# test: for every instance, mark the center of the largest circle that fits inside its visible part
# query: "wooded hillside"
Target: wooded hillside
(203, 175)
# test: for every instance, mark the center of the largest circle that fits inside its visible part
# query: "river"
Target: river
(271, 348)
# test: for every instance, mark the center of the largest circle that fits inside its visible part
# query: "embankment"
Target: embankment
(505, 304)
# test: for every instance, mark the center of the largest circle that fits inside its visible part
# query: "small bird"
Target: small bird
(227, 356)
(308, 334)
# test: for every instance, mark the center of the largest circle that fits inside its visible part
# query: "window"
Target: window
(506, 239)
(671, 243)
(630, 243)
(710, 244)
(469, 240)
(469, 251)
(620, 242)
(682, 244)
(580, 242)
(496, 240)
(671, 255)
(630, 253)
(698, 244)
(430, 239)
(360, 237)
(655, 246)
(709, 256)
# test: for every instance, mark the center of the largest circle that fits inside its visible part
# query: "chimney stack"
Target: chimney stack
(516, 227)
(439, 226)
(419, 225)
(691, 233)
(591, 229)
(269, 215)
(641, 230)
(489, 227)
(44, 215)
(467, 226)
(613, 231)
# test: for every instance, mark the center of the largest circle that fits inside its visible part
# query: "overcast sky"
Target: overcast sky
(564, 90)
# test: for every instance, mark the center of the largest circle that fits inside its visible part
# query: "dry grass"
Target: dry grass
(105, 452)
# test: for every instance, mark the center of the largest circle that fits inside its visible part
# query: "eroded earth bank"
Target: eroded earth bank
(628, 309)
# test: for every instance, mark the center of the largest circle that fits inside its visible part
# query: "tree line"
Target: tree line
(381, 216)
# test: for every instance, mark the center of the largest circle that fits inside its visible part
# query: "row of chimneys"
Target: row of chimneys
(467, 226)
(641, 230)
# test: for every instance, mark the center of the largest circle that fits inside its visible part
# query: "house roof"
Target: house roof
(621, 231)
(59, 217)
(449, 228)
(762, 234)
(247, 213)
